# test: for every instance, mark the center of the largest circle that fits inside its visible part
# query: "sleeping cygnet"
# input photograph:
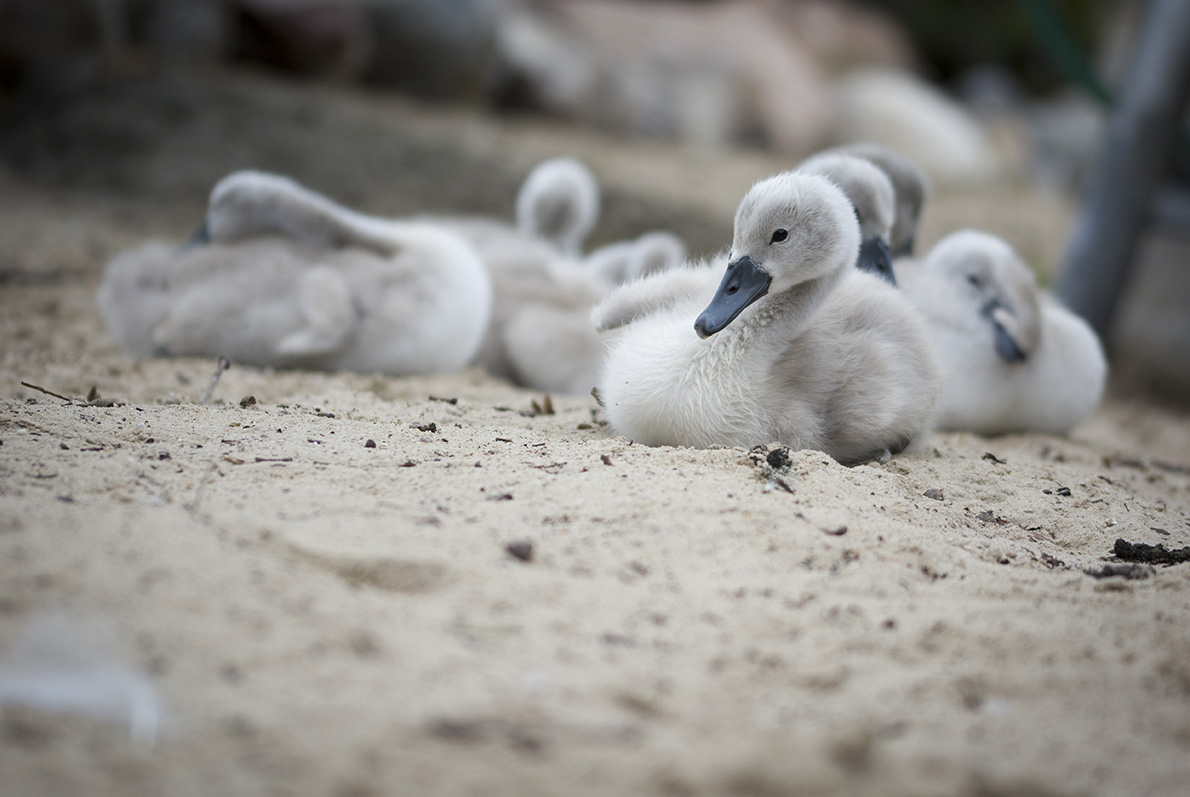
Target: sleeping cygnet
(625, 261)
(795, 344)
(1012, 360)
(540, 333)
(282, 276)
(871, 194)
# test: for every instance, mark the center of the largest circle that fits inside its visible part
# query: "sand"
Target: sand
(359, 585)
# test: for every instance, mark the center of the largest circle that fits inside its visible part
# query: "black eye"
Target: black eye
(779, 235)
(974, 280)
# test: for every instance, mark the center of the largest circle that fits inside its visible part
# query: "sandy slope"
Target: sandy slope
(323, 617)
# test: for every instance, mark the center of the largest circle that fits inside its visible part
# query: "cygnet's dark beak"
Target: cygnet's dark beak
(744, 283)
(875, 258)
(1006, 345)
(201, 237)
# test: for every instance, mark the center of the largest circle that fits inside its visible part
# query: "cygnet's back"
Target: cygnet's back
(286, 277)
(1012, 359)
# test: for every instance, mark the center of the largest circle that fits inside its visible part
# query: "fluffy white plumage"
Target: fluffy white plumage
(286, 277)
(540, 334)
(1012, 359)
(823, 356)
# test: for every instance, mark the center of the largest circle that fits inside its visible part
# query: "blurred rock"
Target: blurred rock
(327, 38)
(906, 113)
(707, 74)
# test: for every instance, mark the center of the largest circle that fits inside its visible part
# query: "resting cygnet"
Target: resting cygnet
(909, 186)
(282, 276)
(1012, 360)
(871, 194)
(558, 203)
(625, 261)
(795, 345)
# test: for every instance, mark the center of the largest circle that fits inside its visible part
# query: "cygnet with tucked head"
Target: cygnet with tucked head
(795, 345)
(1012, 359)
(559, 203)
(282, 276)
(871, 194)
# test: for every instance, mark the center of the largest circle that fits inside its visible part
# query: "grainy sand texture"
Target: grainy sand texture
(363, 585)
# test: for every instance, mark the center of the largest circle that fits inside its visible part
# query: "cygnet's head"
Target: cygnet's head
(909, 185)
(789, 229)
(986, 277)
(559, 203)
(871, 194)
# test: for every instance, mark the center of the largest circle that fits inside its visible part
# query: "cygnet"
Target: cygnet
(795, 344)
(909, 185)
(625, 261)
(282, 276)
(1012, 359)
(871, 194)
(540, 333)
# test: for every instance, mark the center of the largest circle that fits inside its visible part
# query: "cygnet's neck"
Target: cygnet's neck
(783, 316)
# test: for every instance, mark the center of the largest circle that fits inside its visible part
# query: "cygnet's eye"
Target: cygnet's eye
(974, 280)
(779, 235)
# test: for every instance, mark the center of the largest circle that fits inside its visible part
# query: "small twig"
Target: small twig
(222, 366)
(202, 487)
(41, 389)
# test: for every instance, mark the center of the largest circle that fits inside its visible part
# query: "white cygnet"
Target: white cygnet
(625, 261)
(1012, 359)
(795, 345)
(540, 333)
(282, 276)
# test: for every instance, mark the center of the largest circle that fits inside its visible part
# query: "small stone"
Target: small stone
(935, 493)
(522, 549)
(248, 401)
(778, 458)
(369, 443)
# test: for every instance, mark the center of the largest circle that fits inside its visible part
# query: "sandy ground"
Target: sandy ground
(323, 615)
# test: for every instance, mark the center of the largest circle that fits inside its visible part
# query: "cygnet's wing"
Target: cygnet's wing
(695, 282)
(559, 203)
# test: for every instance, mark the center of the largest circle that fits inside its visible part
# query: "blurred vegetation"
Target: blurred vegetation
(953, 36)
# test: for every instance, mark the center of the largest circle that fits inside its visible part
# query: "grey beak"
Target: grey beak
(875, 258)
(743, 283)
(1006, 345)
(201, 237)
